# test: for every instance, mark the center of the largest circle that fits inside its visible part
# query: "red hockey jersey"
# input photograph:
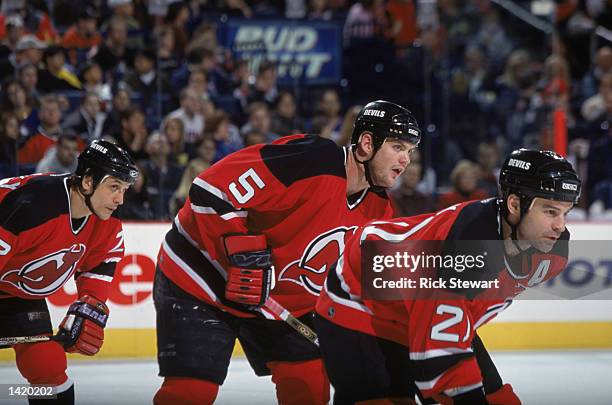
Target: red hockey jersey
(294, 192)
(438, 330)
(40, 249)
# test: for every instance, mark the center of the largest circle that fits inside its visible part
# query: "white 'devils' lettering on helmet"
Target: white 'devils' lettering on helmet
(374, 113)
(99, 147)
(521, 164)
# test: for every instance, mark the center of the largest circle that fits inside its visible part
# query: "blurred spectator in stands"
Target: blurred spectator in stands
(124, 10)
(189, 113)
(218, 127)
(254, 137)
(121, 102)
(284, 119)
(259, 119)
(133, 134)
(404, 28)
(470, 96)
(513, 93)
(114, 56)
(9, 135)
(55, 76)
(348, 122)
(407, 200)
(555, 82)
(265, 88)
(34, 17)
(327, 120)
(594, 107)
(204, 37)
(241, 83)
(136, 200)
(14, 32)
(50, 116)
(319, 10)
(198, 81)
(61, 157)
(364, 21)
(428, 182)
(167, 55)
(82, 36)
(464, 179)
(87, 121)
(91, 77)
(206, 151)
(174, 130)
(235, 8)
(163, 175)
(15, 100)
(145, 80)
(29, 50)
(492, 37)
(27, 74)
(193, 62)
(602, 64)
(175, 20)
(488, 162)
(599, 161)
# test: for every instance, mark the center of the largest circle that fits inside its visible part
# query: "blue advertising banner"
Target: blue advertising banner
(306, 51)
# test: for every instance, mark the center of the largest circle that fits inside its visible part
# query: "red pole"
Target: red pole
(559, 132)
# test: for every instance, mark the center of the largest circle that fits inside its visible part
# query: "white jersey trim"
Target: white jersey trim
(183, 266)
(392, 237)
(453, 392)
(430, 354)
(97, 276)
(205, 253)
(212, 189)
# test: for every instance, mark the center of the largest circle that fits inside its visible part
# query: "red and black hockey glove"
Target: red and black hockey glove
(250, 276)
(82, 330)
(503, 396)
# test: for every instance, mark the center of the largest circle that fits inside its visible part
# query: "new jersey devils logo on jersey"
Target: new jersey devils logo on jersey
(322, 252)
(46, 275)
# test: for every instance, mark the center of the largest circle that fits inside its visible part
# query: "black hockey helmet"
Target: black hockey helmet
(103, 158)
(385, 119)
(535, 173)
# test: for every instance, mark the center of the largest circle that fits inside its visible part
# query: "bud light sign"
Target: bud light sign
(306, 52)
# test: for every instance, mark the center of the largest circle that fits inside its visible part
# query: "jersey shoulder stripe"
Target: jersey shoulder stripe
(303, 157)
(36, 202)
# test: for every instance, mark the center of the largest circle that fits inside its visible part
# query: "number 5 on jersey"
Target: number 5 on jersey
(248, 191)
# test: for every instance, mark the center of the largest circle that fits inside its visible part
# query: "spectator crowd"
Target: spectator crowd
(153, 77)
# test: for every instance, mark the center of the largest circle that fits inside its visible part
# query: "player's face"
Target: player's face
(108, 196)
(390, 161)
(544, 223)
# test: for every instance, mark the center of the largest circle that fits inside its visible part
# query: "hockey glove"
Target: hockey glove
(250, 276)
(503, 396)
(82, 330)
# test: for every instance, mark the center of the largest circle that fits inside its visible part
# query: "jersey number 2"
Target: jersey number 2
(437, 331)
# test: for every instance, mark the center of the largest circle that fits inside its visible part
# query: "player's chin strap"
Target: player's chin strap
(87, 197)
(525, 203)
(366, 166)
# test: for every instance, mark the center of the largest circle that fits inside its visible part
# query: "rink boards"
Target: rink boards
(526, 325)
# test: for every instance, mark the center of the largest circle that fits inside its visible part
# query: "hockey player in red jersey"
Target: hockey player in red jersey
(266, 223)
(47, 235)
(383, 351)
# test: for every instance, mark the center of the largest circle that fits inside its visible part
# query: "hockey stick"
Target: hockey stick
(9, 341)
(303, 329)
